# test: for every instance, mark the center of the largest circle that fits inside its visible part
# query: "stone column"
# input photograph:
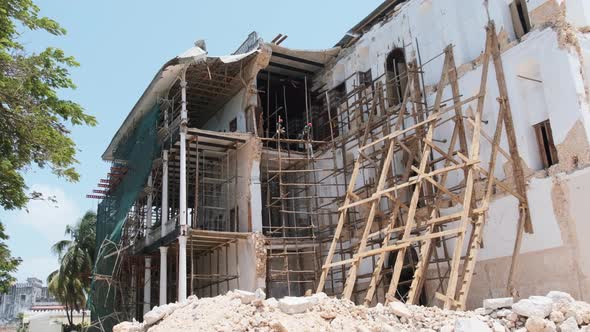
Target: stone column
(182, 198)
(147, 286)
(164, 218)
(163, 275)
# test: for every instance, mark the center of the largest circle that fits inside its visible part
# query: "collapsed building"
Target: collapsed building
(437, 154)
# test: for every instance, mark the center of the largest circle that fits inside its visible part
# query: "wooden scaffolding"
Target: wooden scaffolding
(422, 171)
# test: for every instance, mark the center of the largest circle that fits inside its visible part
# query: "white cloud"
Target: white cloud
(50, 218)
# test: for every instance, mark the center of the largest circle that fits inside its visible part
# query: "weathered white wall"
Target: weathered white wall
(248, 192)
(435, 24)
(577, 11)
(561, 97)
(234, 108)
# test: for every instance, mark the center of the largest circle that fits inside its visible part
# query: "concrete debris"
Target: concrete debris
(569, 325)
(539, 306)
(578, 310)
(504, 302)
(557, 317)
(133, 326)
(535, 324)
(244, 296)
(249, 311)
(471, 325)
(557, 296)
(400, 309)
(155, 315)
(295, 305)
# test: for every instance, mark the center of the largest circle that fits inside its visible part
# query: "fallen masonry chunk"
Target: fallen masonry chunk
(244, 296)
(569, 325)
(272, 302)
(535, 324)
(580, 311)
(550, 326)
(400, 309)
(153, 316)
(471, 325)
(503, 312)
(497, 327)
(497, 303)
(539, 306)
(128, 327)
(295, 305)
(512, 317)
(558, 296)
(169, 308)
(557, 317)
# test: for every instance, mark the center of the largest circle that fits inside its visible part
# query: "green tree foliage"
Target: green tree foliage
(71, 282)
(8, 264)
(34, 120)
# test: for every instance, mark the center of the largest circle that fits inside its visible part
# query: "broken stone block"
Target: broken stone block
(580, 311)
(295, 305)
(497, 327)
(169, 308)
(539, 306)
(320, 297)
(271, 302)
(471, 325)
(557, 316)
(503, 313)
(550, 326)
(128, 327)
(558, 296)
(400, 309)
(497, 303)
(153, 316)
(569, 325)
(245, 296)
(535, 324)
(482, 311)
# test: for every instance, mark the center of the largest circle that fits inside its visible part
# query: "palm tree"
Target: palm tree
(71, 282)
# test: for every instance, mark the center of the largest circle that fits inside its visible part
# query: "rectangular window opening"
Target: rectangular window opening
(520, 18)
(547, 149)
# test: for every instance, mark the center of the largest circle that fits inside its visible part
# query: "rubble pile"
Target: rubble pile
(246, 311)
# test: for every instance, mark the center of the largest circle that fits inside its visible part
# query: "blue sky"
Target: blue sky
(120, 46)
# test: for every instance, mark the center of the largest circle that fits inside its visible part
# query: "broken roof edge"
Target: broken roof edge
(163, 79)
(356, 31)
(322, 56)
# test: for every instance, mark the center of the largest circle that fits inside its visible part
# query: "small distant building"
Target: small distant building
(48, 318)
(23, 297)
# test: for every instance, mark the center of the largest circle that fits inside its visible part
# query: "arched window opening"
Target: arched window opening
(396, 75)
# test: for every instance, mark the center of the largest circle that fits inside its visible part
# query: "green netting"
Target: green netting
(133, 155)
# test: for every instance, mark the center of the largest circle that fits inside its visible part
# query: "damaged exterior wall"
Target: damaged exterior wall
(555, 56)
(547, 77)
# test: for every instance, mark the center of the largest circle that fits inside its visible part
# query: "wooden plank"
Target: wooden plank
(410, 220)
(350, 281)
(474, 153)
(476, 236)
(517, 170)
